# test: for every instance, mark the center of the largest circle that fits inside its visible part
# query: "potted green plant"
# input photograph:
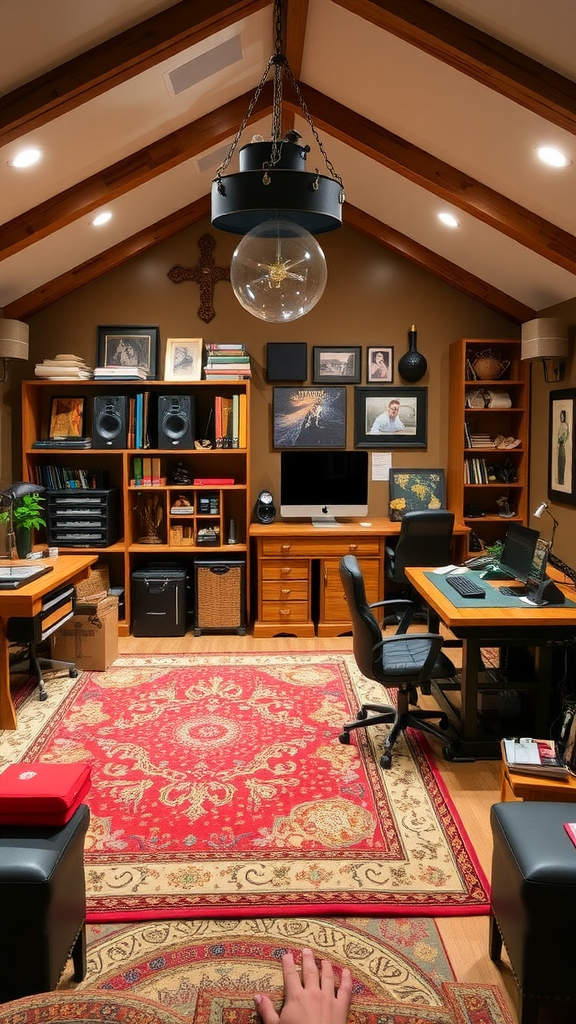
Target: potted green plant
(26, 516)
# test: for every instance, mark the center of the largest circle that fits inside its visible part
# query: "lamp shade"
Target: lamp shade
(545, 338)
(13, 339)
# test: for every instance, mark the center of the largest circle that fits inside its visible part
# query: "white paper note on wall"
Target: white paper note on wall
(381, 465)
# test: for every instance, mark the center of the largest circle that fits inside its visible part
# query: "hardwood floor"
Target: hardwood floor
(474, 787)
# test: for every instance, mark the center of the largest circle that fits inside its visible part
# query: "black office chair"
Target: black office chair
(425, 538)
(402, 661)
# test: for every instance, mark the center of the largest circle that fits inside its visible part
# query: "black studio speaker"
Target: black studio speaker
(110, 421)
(286, 360)
(176, 421)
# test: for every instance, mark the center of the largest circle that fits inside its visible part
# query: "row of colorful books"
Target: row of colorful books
(227, 362)
(147, 471)
(230, 420)
(62, 478)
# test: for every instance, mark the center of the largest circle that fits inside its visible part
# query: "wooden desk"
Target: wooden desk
(494, 627)
(27, 602)
(289, 591)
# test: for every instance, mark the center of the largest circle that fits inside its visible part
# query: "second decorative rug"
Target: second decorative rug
(219, 789)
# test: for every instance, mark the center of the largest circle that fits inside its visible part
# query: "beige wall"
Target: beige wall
(372, 298)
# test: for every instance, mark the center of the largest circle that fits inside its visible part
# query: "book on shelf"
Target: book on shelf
(120, 373)
(534, 757)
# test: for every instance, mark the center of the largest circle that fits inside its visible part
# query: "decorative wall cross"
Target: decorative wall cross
(206, 274)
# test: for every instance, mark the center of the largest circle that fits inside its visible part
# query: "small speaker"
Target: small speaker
(286, 360)
(264, 511)
(176, 421)
(110, 421)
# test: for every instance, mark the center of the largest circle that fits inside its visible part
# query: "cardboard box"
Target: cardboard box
(90, 637)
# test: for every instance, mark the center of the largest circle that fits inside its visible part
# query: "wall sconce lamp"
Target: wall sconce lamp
(13, 343)
(546, 339)
(538, 515)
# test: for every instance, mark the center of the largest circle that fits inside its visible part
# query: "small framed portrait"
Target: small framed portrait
(129, 347)
(380, 367)
(183, 359)
(67, 417)
(561, 448)
(309, 417)
(337, 365)
(391, 417)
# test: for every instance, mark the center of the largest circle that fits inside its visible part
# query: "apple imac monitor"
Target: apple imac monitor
(323, 485)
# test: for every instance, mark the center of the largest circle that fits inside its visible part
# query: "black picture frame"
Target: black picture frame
(336, 364)
(370, 403)
(561, 447)
(127, 345)
(309, 417)
(415, 490)
(380, 364)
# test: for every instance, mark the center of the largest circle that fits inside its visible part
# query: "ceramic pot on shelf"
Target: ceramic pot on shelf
(412, 365)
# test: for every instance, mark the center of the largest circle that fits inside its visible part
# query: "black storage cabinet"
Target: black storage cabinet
(219, 605)
(83, 518)
(159, 601)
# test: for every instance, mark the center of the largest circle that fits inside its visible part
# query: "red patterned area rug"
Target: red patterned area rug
(220, 789)
(209, 971)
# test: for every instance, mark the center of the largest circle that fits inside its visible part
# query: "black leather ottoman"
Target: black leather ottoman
(533, 901)
(42, 905)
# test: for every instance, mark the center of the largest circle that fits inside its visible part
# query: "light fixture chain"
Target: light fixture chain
(308, 117)
(247, 117)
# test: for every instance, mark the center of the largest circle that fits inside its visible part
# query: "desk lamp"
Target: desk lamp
(8, 497)
(538, 515)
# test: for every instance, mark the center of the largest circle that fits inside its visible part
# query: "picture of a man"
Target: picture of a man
(388, 422)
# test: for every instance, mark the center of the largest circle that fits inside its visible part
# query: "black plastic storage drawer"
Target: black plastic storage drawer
(83, 518)
(159, 601)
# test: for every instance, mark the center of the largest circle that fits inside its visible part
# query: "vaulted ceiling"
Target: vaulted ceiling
(421, 107)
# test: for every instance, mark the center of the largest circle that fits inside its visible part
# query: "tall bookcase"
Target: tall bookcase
(216, 504)
(481, 410)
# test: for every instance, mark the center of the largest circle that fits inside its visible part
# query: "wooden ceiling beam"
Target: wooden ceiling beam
(441, 268)
(25, 306)
(115, 61)
(447, 182)
(189, 141)
(474, 53)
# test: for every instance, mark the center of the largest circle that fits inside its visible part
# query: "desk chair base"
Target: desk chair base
(401, 718)
(35, 663)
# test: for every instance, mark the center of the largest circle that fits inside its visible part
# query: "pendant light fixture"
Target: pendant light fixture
(278, 270)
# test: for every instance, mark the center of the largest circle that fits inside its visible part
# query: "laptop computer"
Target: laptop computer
(14, 576)
(517, 555)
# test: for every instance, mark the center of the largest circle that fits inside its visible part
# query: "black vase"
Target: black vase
(412, 366)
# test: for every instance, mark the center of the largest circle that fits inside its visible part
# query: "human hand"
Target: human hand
(310, 997)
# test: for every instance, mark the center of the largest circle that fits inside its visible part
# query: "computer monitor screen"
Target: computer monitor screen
(518, 551)
(537, 572)
(323, 485)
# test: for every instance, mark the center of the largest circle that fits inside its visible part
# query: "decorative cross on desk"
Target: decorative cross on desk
(206, 274)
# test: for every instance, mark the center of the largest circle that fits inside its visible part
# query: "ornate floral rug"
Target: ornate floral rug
(209, 971)
(220, 789)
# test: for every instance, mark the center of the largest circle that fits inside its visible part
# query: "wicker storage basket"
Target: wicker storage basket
(96, 584)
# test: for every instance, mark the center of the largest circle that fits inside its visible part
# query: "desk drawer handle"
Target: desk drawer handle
(353, 547)
(286, 547)
(286, 570)
(285, 613)
(286, 590)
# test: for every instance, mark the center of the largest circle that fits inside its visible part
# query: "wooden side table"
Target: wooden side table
(516, 786)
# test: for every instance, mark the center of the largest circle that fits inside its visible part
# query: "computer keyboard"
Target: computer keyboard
(465, 586)
(518, 591)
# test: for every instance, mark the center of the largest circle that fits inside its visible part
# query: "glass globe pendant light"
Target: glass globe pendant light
(278, 271)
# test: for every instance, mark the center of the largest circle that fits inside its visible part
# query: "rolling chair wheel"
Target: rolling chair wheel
(448, 753)
(361, 714)
(344, 737)
(43, 695)
(73, 672)
(386, 761)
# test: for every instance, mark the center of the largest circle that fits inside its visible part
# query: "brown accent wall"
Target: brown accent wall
(372, 298)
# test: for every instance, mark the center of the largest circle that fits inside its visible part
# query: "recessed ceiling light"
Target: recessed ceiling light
(25, 158)
(449, 220)
(552, 156)
(102, 218)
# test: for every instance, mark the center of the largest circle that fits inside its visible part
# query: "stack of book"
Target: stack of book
(64, 367)
(120, 373)
(534, 757)
(227, 362)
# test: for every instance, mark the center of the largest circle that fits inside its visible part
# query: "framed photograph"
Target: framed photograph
(338, 365)
(67, 417)
(391, 417)
(561, 448)
(183, 359)
(129, 346)
(380, 365)
(309, 417)
(415, 490)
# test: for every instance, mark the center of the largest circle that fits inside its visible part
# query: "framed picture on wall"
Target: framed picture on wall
(128, 347)
(337, 365)
(309, 417)
(391, 417)
(380, 365)
(415, 490)
(561, 450)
